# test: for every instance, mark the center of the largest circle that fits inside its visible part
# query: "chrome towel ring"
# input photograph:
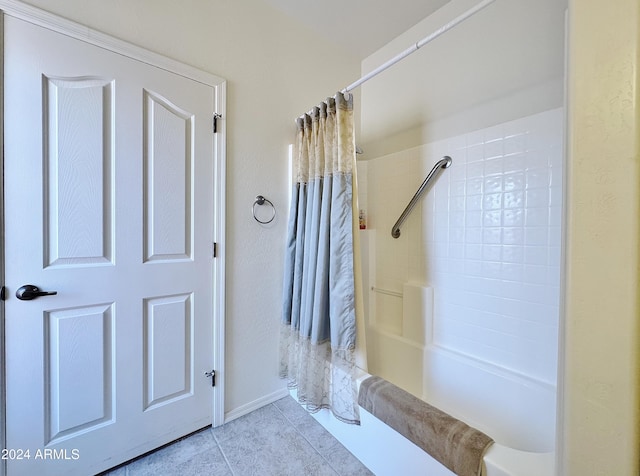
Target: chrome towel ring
(260, 200)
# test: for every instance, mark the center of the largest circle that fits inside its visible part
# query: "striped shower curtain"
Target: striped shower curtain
(318, 334)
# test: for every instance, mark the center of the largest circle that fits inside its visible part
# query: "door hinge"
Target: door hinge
(3, 293)
(216, 116)
(211, 375)
(214, 249)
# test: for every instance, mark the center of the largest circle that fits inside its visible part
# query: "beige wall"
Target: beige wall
(600, 401)
(505, 62)
(275, 71)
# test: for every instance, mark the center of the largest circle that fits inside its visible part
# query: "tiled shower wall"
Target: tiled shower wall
(486, 237)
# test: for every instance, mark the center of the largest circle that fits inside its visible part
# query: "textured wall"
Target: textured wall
(505, 62)
(601, 373)
(267, 60)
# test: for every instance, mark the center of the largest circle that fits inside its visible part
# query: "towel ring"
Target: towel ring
(260, 200)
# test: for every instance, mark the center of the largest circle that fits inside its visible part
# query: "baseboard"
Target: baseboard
(255, 404)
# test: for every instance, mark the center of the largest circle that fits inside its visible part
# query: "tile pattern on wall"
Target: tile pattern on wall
(486, 237)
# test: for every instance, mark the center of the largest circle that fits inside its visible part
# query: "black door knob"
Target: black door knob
(29, 292)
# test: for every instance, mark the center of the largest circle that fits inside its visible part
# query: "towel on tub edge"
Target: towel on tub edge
(452, 442)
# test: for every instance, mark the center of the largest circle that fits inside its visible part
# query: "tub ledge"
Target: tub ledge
(504, 461)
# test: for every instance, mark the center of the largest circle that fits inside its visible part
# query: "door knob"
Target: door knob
(29, 292)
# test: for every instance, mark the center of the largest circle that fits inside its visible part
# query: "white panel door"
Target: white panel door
(109, 203)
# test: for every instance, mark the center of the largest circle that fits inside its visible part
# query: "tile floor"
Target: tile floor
(279, 439)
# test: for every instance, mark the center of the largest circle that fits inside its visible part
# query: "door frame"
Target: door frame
(75, 30)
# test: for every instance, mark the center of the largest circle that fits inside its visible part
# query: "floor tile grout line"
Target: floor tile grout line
(224, 455)
(292, 422)
(307, 439)
(128, 464)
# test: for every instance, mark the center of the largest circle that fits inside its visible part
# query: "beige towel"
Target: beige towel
(453, 443)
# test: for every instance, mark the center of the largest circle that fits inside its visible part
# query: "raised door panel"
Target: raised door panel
(169, 162)
(79, 370)
(168, 349)
(79, 144)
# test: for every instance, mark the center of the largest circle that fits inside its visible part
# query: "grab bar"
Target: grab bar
(443, 163)
(386, 291)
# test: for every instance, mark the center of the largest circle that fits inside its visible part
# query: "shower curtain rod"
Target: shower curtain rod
(413, 48)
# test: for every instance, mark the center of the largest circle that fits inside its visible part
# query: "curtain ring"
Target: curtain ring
(260, 200)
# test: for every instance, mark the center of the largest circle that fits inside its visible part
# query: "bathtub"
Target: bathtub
(519, 415)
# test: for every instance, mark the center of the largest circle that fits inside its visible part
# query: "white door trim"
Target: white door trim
(55, 23)
(70, 28)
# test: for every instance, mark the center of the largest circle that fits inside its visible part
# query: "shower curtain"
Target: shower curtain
(318, 334)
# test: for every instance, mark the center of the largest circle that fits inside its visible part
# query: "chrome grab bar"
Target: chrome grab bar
(443, 163)
(386, 291)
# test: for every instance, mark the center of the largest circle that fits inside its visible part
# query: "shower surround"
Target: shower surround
(485, 240)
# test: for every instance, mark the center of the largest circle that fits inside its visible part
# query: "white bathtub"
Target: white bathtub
(517, 411)
(519, 415)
